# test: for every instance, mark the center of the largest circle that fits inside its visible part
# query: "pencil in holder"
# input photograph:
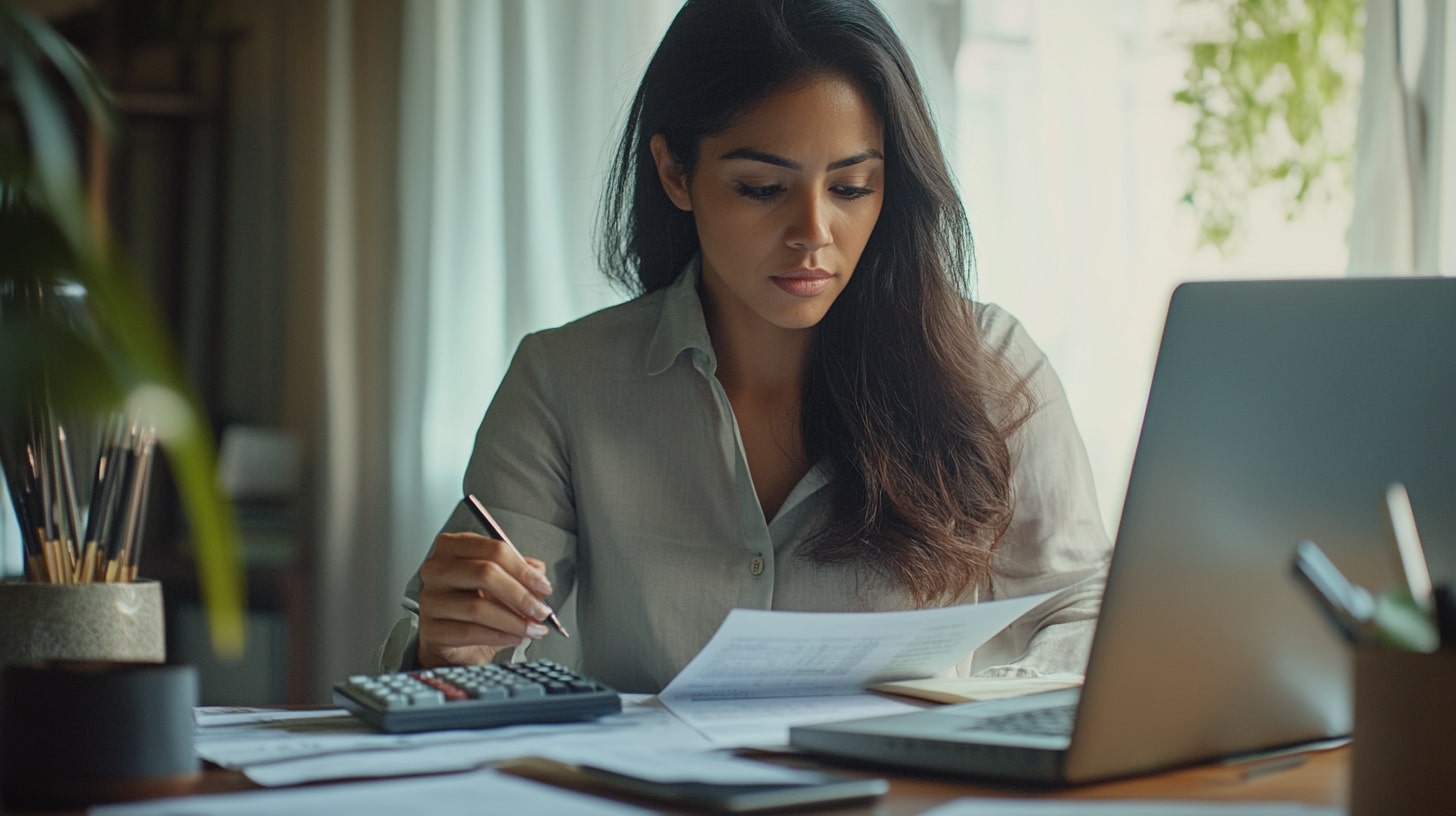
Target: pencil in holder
(77, 477)
(78, 524)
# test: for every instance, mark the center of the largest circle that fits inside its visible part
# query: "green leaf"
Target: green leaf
(1276, 65)
(42, 360)
(84, 83)
(214, 532)
(52, 146)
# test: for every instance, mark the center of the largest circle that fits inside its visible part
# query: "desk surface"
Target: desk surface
(1322, 779)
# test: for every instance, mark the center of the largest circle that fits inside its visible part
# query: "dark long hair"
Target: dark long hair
(900, 395)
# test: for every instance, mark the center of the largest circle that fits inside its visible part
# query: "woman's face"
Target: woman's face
(784, 202)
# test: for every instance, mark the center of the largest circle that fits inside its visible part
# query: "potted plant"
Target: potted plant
(50, 233)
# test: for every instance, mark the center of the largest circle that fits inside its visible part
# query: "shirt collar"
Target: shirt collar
(681, 326)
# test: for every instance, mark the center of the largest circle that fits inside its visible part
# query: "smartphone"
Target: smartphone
(823, 789)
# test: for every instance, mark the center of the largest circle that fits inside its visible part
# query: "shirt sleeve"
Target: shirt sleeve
(1056, 540)
(521, 471)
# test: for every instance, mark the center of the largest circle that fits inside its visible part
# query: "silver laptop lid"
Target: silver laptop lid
(1278, 411)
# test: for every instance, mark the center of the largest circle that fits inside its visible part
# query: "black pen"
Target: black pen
(488, 521)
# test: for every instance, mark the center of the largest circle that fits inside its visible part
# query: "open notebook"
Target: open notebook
(1279, 411)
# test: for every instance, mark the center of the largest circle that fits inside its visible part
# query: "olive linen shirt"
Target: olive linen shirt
(610, 452)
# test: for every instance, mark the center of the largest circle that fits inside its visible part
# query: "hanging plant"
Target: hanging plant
(1274, 89)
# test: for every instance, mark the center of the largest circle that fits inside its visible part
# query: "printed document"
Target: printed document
(764, 671)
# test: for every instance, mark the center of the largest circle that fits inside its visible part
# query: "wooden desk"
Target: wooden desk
(1321, 780)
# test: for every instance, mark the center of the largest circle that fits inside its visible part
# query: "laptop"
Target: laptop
(1279, 411)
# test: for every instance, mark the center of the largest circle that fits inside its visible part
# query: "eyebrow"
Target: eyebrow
(780, 161)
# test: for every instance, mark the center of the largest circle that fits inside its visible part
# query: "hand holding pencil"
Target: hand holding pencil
(479, 595)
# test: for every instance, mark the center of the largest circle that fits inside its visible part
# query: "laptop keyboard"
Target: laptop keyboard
(1043, 722)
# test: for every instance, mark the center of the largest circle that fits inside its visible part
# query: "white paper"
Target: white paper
(1125, 807)
(244, 745)
(218, 716)
(450, 795)
(644, 725)
(759, 653)
(239, 737)
(764, 723)
(766, 671)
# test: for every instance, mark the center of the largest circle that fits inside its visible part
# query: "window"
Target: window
(1072, 157)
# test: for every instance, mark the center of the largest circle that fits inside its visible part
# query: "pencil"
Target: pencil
(138, 523)
(1411, 555)
(132, 512)
(107, 462)
(70, 507)
(485, 518)
(111, 533)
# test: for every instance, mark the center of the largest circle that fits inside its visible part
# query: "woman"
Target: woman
(801, 409)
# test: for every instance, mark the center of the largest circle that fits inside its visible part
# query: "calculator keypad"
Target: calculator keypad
(475, 696)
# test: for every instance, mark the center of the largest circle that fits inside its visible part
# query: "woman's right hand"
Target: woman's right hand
(478, 595)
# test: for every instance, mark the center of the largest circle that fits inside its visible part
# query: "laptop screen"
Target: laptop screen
(1279, 411)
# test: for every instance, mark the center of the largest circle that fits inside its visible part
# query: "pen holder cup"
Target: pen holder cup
(1405, 716)
(111, 622)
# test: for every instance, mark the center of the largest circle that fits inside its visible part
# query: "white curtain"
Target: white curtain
(510, 109)
(1405, 167)
(342, 115)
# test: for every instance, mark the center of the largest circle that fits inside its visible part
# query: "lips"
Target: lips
(804, 282)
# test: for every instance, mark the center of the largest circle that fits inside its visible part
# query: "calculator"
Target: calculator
(454, 697)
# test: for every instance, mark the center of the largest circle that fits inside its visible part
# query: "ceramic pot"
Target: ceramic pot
(99, 622)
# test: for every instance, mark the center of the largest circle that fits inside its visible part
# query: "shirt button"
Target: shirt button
(756, 566)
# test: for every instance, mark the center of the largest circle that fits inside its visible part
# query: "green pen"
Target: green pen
(1400, 623)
